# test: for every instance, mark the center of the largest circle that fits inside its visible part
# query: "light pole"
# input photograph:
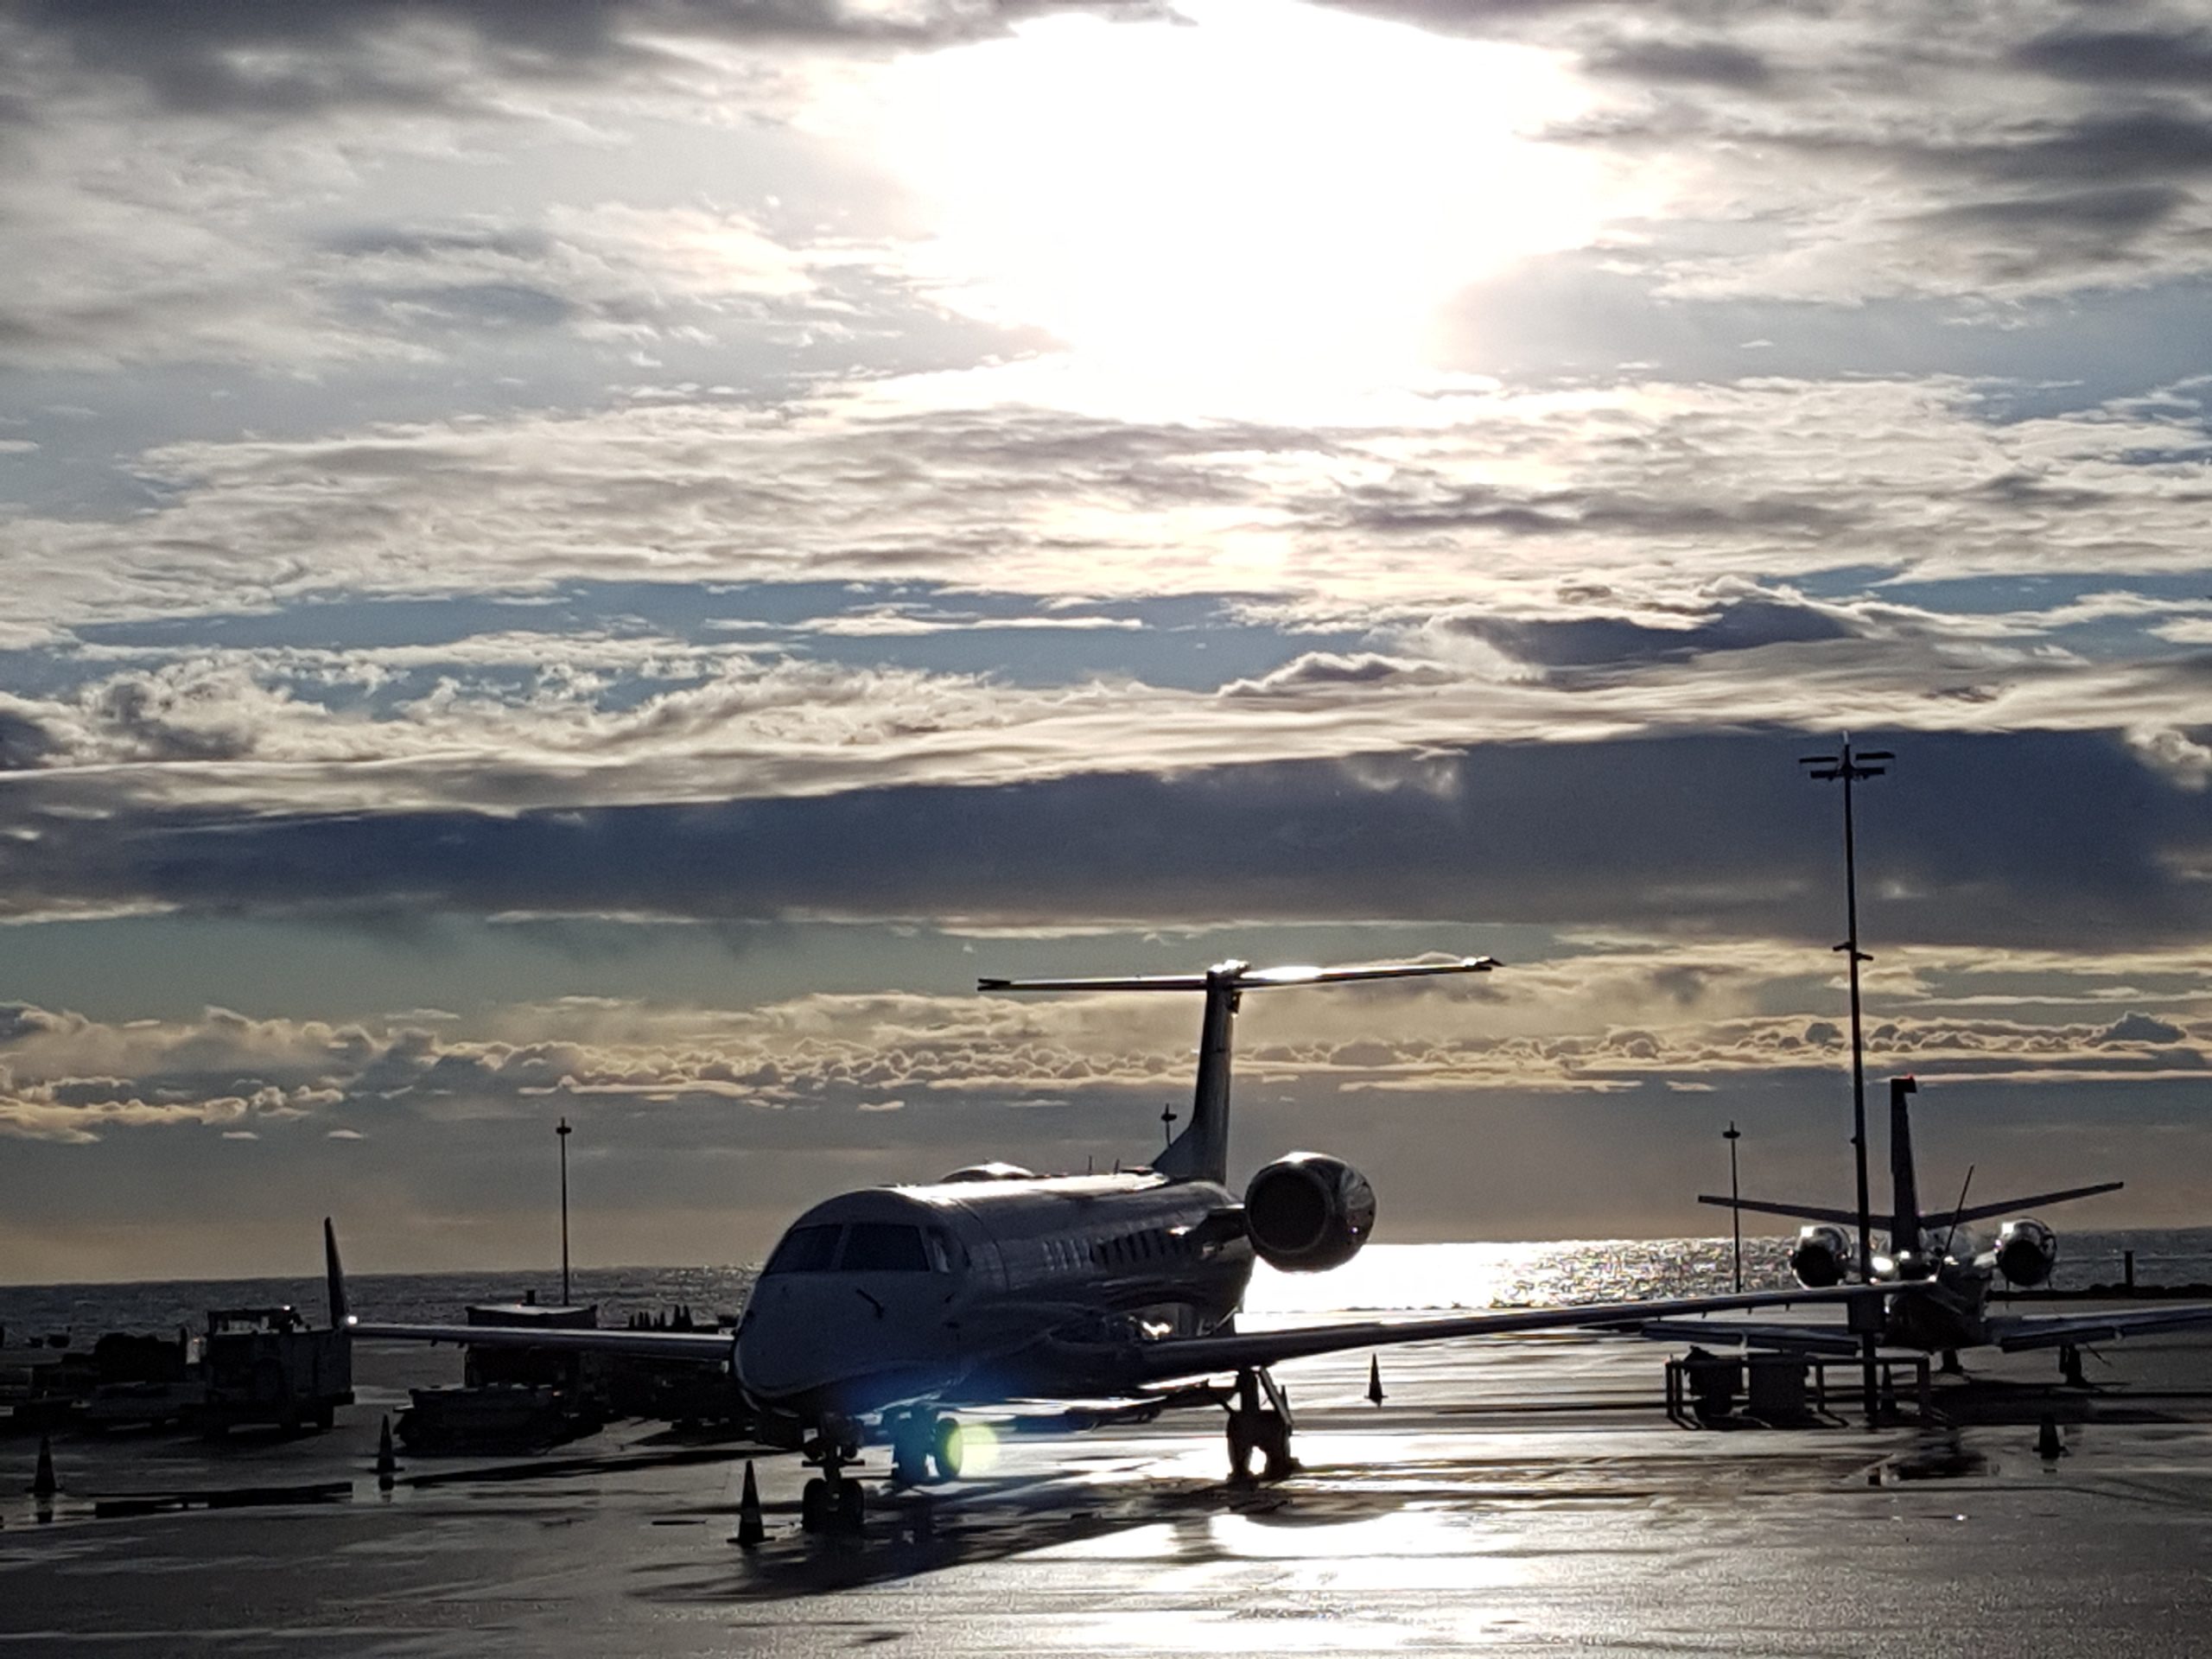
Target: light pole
(1850, 767)
(563, 1131)
(1732, 1134)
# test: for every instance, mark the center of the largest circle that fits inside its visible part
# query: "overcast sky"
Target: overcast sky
(606, 559)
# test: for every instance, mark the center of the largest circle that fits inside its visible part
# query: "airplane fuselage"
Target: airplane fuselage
(1950, 1315)
(959, 1292)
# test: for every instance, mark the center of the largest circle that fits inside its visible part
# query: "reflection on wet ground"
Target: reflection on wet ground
(1526, 1496)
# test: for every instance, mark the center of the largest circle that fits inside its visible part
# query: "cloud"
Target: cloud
(475, 57)
(824, 1061)
(1716, 834)
(2138, 1028)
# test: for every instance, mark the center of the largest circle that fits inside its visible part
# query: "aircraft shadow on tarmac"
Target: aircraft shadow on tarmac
(923, 1531)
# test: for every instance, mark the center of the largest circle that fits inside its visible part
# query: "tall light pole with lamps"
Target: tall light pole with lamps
(1850, 768)
(563, 1131)
(1732, 1134)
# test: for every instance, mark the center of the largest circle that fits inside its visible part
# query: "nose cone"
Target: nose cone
(781, 1349)
(847, 1341)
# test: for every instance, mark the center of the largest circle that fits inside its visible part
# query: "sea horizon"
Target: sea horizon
(1383, 1278)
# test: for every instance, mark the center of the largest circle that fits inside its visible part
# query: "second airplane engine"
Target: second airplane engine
(2026, 1252)
(1822, 1256)
(1308, 1212)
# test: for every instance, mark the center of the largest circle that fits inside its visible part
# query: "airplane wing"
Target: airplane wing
(1179, 1357)
(706, 1347)
(1731, 1334)
(2014, 1332)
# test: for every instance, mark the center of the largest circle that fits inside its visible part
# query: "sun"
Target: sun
(1257, 202)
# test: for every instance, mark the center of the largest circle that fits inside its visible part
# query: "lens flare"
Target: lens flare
(976, 1446)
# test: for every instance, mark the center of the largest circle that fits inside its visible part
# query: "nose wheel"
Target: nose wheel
(1261, 1429)
(831, 1502)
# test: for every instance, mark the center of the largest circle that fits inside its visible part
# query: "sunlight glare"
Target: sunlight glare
(1261, 199)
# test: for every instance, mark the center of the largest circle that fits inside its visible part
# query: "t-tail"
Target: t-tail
(1907, 1226)
(1201, 1152)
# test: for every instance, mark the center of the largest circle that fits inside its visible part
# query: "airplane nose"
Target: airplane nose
(782, 1345)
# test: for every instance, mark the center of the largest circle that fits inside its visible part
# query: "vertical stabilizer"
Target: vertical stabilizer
(334, 1278)
(1201, 1152)
(1905, 1209)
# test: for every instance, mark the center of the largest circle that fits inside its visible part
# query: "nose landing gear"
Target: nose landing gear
(830, 1502)
(1265, 1429)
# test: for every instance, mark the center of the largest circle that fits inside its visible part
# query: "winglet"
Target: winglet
(341, 1316)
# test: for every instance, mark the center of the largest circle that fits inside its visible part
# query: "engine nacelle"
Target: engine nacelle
(2026, 1252)
(1308, 1212)
(1822, 1256)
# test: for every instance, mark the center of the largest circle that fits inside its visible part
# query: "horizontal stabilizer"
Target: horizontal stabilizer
(1796, 1212)
(2014, 1206)
(1253, 979)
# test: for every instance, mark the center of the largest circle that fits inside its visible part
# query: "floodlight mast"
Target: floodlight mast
(1850, 767)
(563, 1131)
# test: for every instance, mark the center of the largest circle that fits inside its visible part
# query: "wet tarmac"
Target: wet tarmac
(1508, 1496)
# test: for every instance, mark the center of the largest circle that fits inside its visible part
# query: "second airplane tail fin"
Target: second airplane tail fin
(1904, 1182)
(341, 1314)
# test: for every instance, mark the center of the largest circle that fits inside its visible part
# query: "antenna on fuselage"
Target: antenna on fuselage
(1956, 1210)
(1201, 1152)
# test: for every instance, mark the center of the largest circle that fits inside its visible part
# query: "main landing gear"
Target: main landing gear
(924, 1446)
(1261, 1429)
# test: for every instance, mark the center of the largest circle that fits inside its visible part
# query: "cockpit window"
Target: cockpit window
(941, 1253)
(804, 1249)
(883, 1246)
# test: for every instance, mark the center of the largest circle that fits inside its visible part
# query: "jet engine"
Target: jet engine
(2026, 1252)
(1822, 1256)
(1308, 1212)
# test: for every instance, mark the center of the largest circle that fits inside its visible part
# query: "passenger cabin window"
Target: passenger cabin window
(883, 1246)
(804, 1249)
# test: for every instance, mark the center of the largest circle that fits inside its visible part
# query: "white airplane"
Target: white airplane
(1951, 1308)
(883, 1310)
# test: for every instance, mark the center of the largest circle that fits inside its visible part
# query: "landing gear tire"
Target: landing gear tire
(910, 1450)
(1240, 1449)
(1273, 1438)
(834, 1506)
(948, 1449)
(1265, 1433)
